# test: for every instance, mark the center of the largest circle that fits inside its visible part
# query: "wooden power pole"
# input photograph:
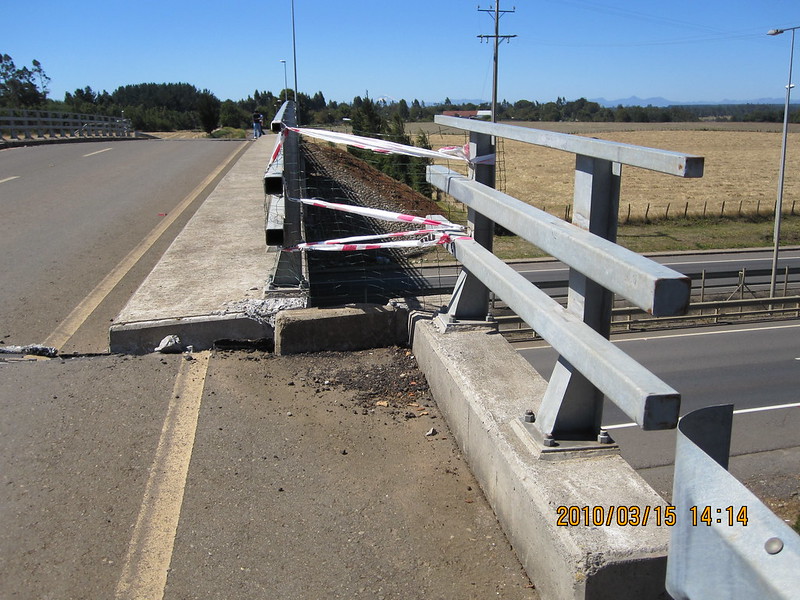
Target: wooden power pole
(496, 14)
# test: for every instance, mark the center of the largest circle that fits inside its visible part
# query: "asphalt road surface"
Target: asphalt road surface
(71, 213)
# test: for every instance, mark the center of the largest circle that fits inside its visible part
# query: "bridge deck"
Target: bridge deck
(214, 268)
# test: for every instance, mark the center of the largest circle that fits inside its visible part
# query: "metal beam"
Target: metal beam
(663, 161)
(652, 287)
(650, 402)
(725, 543)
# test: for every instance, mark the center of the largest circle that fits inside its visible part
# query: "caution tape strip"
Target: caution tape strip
(436, 232)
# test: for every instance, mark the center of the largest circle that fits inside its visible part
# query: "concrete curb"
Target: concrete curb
(209, 284)
(483, 388)
(348, 328)
(201, 332)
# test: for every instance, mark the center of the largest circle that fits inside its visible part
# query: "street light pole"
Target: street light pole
(779, 203)
(285, 81)
(294, 53)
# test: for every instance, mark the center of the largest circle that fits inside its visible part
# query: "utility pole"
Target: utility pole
(496, 14)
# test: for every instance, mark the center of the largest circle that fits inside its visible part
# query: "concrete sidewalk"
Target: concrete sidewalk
(208, 282)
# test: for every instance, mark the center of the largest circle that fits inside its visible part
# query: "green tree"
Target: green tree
(19, 87)
(403, 110)
(366, 119)
(230, 115)
(208, 109)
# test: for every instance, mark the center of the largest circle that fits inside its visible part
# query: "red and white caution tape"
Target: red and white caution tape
(276, 152)
(435, 238)
(383, 215)
(435, 233)
(387, 147)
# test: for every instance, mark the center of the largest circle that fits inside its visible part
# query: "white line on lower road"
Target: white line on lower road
(699, 333)
(741, 411)
(98, 152)
(9, 178)
(672, 335)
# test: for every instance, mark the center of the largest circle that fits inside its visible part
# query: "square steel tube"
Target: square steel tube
(652, 287)
(653, 159)
(647, 400)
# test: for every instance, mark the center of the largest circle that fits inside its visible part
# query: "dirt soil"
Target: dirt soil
(372, 188)
(348, 481)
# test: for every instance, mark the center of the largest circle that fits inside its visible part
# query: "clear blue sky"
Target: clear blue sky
(684, 50)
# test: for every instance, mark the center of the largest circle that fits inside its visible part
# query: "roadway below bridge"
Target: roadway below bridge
(722, 270)
(754, 367)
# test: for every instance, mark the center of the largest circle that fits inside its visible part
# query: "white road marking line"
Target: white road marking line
(741, 411)
(98, 152)
(9, 178)
(674, 335)
(146, 565)
(726, 260)
(670, 263)
(699, 333)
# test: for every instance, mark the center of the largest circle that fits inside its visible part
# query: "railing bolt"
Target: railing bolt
(603, 437)
(548, 440)
(773, 545)
(529, 416)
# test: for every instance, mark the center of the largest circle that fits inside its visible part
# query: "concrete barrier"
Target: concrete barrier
(354, 327)
(200, 332)
(483, 387)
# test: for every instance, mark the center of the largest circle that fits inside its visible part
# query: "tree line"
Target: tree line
(175, 106)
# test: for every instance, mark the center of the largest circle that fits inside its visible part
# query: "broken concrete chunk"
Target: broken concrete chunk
(169, 345)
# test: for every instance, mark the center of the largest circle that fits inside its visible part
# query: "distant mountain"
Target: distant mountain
(663, 102)
(633, 101)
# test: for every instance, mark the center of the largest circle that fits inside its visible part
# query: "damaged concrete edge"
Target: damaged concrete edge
(483, 387)
(346, 328)
(283, 320)
(200, 332)
(248, 320)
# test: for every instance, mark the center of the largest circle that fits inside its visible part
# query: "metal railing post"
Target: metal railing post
(470, 299)
(289, 270)
(572, 407)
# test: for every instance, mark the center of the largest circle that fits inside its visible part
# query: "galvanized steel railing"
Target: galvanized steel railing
(589, 366)
(725, 542)
(40, 125)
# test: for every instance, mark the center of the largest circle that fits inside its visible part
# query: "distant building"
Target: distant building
(468, 114)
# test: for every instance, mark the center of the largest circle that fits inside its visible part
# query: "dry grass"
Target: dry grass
(741, 169)
(657, 211)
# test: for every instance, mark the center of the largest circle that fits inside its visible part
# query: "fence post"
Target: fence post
(470, 300)
(289, 271)
(572, 407)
